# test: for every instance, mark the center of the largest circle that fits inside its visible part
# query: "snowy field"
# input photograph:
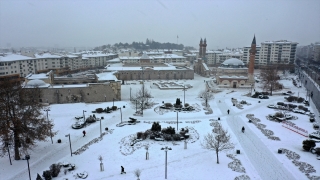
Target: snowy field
(258, 158)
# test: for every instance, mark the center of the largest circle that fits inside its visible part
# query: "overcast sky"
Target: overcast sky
(227, 23)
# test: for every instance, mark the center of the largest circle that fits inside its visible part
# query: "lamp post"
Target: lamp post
(47, 110)
(84, 117)
(166, 150)
(136, 105)
(27, 158)
(112, 102)
(177, 120)
(121, 114)
(100, 128)
(7, 145)
(184, 95)
(68, 135)
(130, 93)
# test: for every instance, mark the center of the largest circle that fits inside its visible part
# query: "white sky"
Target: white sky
(227, 23)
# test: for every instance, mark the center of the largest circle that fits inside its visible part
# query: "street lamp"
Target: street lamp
(184, 95)
(166, 150)
(177, 121)
(130, 93)
(27, 158)
(112, 102)
(84, 117)
(68, 135)
(121, 114)
(7, 145)
(136, 105)
(47, 110)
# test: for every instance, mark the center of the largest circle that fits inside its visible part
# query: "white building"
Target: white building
(277, 52)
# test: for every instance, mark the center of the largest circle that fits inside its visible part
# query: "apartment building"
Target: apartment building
(277, 52)
(26, 63)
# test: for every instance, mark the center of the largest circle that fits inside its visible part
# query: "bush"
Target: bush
(139, 135)
(178, 102)
(300, 100)
(176, 137)
(107, 109)
(308, 144)
(168, 105)
(99, 110)
(186, 105)
(168, 130)
(265, 93)
(167, 137)
(292, 106)
(114, 108)
(279, 114)
(280, 103)
(39, 177)
(55, 170)
(290, 98)
(243, 102)
(156, 126)
(47, 175)
(300, 107)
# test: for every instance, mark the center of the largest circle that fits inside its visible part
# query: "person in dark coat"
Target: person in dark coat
(242, 129)
(84, 133)
(122, 170)
(228, 111)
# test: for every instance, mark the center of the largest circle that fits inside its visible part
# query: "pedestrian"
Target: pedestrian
(84, 133)
(228, 111)
(122, 170)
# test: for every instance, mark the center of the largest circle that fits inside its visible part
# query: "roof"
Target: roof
(13, 57)
(233, 61)
(144, 56)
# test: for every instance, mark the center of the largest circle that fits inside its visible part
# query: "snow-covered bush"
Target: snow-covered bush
(47, 175)
(55, 170)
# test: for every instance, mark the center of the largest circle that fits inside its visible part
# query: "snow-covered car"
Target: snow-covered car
(316, 125)
(288, 116)
(158, 139)
(263, 97)
(315, 135)
(78, 125)
(272, 106)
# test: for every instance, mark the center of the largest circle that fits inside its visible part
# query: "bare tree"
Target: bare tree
(270, 78)
(21, 120)
(219, 140)
(142, 99)
(206, 96)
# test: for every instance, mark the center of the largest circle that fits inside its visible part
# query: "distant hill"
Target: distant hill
(150, 44)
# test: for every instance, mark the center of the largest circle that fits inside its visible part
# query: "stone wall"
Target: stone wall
(93, 92)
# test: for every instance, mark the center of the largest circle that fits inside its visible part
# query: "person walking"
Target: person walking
(228, 111)
(242, 129)
(122, 170)
(84, 133)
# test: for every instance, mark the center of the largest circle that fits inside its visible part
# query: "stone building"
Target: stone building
(72, 90)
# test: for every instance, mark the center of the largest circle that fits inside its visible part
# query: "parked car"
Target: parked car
(272, 106)
(263, 97)
(78, 125)
(315, 135)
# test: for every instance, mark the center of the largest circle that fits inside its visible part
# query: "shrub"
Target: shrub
(55, 170)
(168, 130)
(47, 175)
(280, 103)
(292, 106)
(300, 100)
(279, 114)
(243, 102)
(300, 107)
(156, 126)
(39, 177)
(178, 102)
(99, 110)
(265, 93)
(186, 105)
(308, 144)
(139, 135)
(176, 137)
(114, 108)
(290, 98)
(168, 105)
(167, 137)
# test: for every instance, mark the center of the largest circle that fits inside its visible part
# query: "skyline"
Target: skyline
(231, 24)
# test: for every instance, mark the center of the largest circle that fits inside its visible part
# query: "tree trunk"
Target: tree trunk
(217, 152)
(16, 146)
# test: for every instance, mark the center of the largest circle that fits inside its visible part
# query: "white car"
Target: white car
(315, 135)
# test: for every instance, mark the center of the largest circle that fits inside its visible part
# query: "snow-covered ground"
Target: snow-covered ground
(259, 155)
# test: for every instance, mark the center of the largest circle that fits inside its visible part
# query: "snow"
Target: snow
(14, 57)
(258, 155)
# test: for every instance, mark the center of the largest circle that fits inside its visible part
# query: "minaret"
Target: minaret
(200, 49)
(204, 48)
(251, 61)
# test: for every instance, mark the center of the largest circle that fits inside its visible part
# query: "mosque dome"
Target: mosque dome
(36, 82)
(233, 62)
